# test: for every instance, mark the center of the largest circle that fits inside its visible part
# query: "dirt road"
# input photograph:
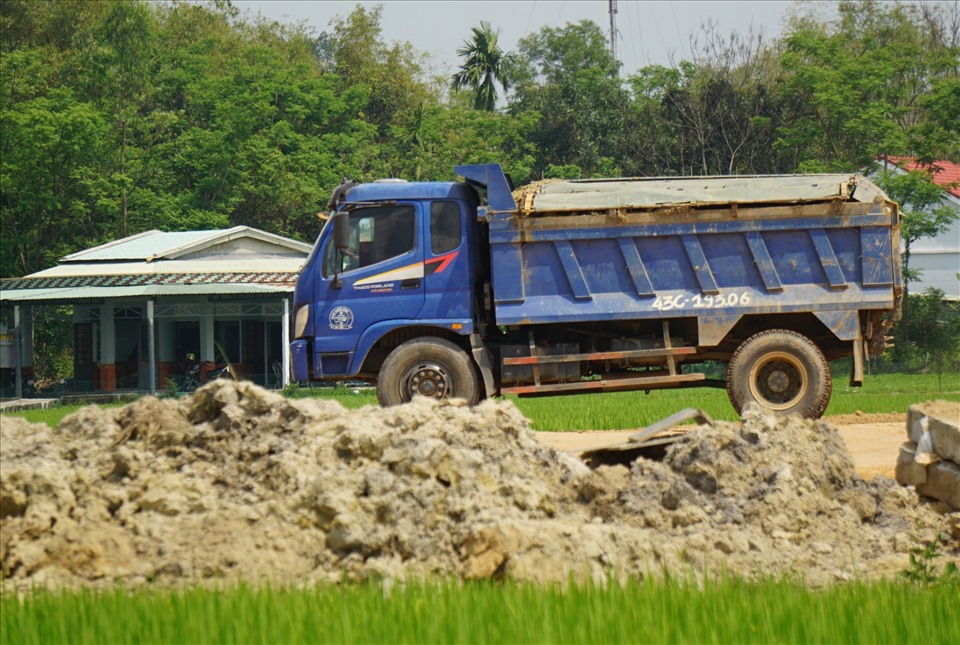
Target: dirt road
(872, 439)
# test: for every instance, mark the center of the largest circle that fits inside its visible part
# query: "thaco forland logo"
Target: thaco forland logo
(341, 318)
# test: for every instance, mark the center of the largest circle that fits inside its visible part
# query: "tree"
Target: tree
(127, 51)
(393, 74)
(928, 335)
(858, 86)
(48, 162)
(714, 115)
(651, 143)
(940, 322)
(568, 77)
(485, 65)
(922, 215)
(437, 137)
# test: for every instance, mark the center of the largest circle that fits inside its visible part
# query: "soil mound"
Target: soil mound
(236, 482)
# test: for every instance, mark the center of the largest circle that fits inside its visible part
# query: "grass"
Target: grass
(724, 610)
(881, 393)
(53, 415)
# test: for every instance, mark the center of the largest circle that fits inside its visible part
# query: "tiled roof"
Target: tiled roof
(144, 280)
(945, 173)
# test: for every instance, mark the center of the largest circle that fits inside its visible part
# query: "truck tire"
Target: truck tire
(782, 371)
(431, 367)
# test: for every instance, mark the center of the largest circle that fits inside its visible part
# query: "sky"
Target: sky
(649, 32)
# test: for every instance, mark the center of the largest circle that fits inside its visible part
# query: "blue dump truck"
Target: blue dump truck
(474, 289)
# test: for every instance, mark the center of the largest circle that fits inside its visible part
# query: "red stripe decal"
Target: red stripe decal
(443, 261)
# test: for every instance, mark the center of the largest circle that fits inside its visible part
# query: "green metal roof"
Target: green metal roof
(151, 245)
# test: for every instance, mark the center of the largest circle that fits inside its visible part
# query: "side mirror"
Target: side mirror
(341, 231)
(341, 242)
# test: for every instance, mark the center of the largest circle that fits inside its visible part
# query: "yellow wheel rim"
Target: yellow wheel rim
(778, 381)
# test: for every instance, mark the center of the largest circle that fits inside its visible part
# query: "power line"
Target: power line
(526, 31)
(675, 23)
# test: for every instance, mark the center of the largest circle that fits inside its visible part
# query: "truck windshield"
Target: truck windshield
(376, 235)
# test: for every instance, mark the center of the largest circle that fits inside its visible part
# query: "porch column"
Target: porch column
(26, 342)
(206, 334)
(285, 335)
(151, 349)
(165, 349)
(18, 353)
(108, 349)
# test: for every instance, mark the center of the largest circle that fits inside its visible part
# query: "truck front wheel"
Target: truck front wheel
(783, 371)
(430, 367)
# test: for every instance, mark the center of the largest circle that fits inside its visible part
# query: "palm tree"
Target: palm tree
(484, 65)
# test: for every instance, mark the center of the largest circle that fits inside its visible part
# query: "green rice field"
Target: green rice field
(880, 393)
(721, 611)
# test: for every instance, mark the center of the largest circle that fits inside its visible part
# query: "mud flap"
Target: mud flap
(481, 356)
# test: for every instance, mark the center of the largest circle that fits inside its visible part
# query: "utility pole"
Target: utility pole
(613, 33)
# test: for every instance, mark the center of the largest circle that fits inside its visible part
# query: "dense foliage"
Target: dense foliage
(119, 117)
(124, 116)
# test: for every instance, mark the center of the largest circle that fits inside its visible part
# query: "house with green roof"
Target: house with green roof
(143, 303)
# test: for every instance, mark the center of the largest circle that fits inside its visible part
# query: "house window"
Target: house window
(126, 313)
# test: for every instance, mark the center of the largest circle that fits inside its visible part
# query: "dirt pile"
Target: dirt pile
(238, 482)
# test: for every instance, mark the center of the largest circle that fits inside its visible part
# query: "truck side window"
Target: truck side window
(376, 234)
(445, 227)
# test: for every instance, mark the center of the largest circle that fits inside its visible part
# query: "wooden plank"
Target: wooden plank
(686, 215)
(606, 384)
(598, 356)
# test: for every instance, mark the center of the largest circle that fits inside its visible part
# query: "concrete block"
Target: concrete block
(943, 483)
(908, 471)
(943, 424)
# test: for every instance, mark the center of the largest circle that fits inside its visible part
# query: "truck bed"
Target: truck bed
(714, 248)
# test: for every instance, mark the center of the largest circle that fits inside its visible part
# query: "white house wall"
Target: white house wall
(938, 258)
(235, 250)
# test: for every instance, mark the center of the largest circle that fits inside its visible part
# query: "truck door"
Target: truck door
(380, 276)
(449, 274)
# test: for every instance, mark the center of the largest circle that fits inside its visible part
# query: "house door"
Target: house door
(84, 365)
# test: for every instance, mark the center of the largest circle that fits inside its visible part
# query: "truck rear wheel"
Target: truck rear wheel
(431, 367)
(782, 371)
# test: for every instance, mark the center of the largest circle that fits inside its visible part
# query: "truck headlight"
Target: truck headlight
(300, 321)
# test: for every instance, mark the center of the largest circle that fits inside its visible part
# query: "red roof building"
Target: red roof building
(937, 258)
(945, 173)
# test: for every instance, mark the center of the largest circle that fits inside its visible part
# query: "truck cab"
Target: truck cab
(401, 268)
